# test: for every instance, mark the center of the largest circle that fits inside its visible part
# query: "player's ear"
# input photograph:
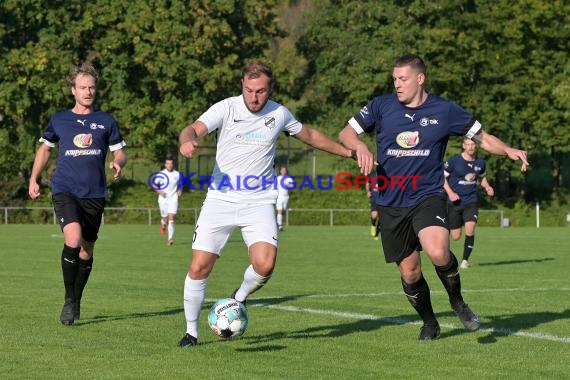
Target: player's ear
(421, 79)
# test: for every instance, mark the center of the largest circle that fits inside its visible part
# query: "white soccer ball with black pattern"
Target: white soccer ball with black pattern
(228, 318)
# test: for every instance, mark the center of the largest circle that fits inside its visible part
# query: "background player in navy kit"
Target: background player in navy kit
(78, 185)
(372, 194)
(462, 174)
(412, 128)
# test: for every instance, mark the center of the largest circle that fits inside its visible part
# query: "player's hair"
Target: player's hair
(412, 60)
(255, 69)
(86, 68)
(169, 158)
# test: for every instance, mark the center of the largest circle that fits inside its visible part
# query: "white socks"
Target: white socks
(170, 229)
(251, 282)
(194, 294)
(279, 220)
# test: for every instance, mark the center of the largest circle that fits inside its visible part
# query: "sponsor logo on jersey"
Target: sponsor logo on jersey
(408, 139)
(83, 152)
(253, 138)
(83, 140)
(424, 121)
(96, 126)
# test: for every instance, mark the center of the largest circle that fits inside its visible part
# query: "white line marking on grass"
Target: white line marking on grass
(399, 321)
(502, 290)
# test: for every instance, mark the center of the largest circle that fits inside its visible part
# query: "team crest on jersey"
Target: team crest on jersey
(270, 122)
(470, 177)
(408, 139)
(83, 140)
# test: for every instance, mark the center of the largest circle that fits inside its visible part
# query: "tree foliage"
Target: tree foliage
(507, 62)
(162, 63)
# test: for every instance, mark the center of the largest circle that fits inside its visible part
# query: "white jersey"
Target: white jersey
(169, 183)
(285, 182)
(246, 144)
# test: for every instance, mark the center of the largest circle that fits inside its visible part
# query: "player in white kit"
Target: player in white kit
(243, 190)
(168, 189)
(284, 184)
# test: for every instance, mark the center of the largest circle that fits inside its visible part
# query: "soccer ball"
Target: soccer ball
(228, 318)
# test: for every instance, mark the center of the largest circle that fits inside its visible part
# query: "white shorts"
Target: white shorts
(219, 218)
(281, 203)
(167, 206)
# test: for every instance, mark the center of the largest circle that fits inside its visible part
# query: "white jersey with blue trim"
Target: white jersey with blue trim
(246, 147)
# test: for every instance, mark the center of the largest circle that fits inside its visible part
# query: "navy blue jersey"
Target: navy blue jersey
(411, 143)
(463, 176)
(83, 144)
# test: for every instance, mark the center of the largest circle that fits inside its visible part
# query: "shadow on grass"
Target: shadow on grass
(507, 325)
(120, 317)
(510, 262)
(173, 311)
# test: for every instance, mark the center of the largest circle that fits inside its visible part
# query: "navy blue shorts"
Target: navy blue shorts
(399, 226)
(88, 212)
(459, 215)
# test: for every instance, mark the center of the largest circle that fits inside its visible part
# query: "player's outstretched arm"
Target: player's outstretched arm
(320, 141)
(493, 144)
(40, 162)
(189, 137)
(349, 138)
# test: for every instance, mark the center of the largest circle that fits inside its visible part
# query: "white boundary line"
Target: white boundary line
(399, 321)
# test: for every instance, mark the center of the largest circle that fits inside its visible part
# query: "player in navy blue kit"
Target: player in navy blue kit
(463, 173)
(78, 186)
(412, 128)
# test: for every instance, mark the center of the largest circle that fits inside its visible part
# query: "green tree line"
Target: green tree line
(164, 62)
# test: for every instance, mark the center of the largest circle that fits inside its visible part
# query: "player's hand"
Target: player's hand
(34, 190)
(364, 158)
(490, 191)
(188, 148)
(117, 168)
(454, 197)
(517, 154)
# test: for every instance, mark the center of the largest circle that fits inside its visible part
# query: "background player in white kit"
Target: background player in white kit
(168, 190)
(243, 192)
(284, 184)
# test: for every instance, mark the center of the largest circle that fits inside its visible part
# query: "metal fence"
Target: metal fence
(294, 216)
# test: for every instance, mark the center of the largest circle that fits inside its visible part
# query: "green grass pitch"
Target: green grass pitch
(333, 309)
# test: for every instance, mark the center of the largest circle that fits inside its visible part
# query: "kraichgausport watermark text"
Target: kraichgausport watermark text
(341, 181)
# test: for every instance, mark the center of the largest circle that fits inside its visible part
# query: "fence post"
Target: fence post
(149, 217)
(331, 217)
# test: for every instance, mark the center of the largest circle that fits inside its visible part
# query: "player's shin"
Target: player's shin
(194, 294)
(419, 297)
(252, 282)
(468, 246)
(449, 276)
(83, 272)
(69, 266)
